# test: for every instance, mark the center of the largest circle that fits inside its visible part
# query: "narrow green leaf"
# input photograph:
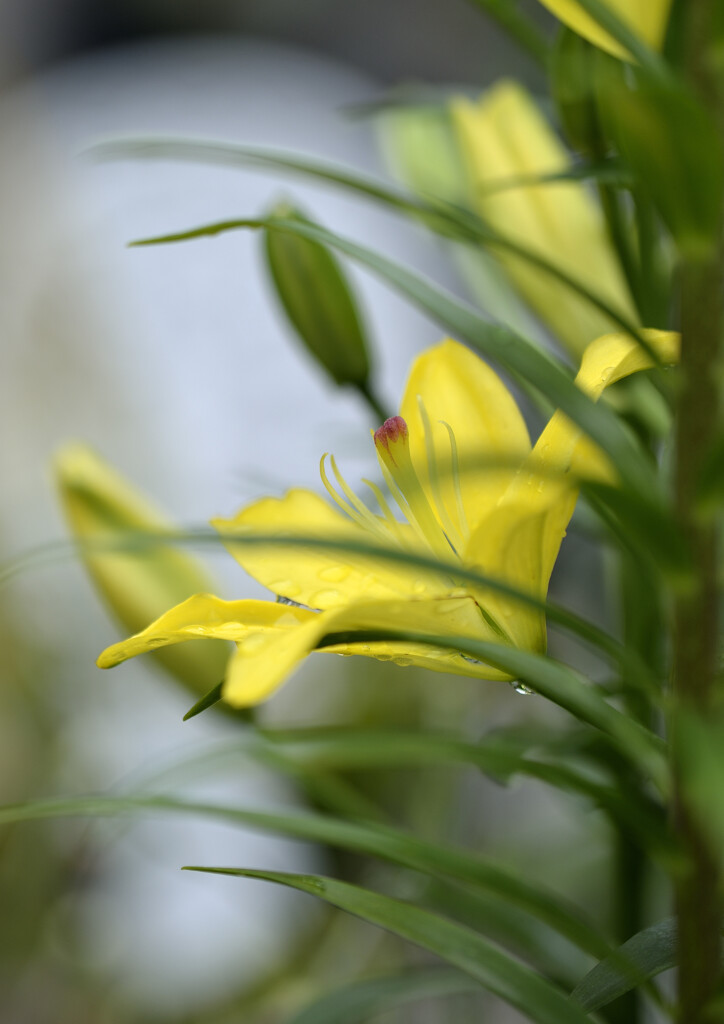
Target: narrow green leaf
(644, 955)
(499, 755)
(618, 29)
(672, 146)
(207, 701)
(370, 839)
(444, 218)
(635, 671)
(558, 683)
(642, 525)
(458, 945)
(609, 172)
(507, 348)
(361, 1000)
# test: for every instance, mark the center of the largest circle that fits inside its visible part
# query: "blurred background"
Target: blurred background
(176, 366)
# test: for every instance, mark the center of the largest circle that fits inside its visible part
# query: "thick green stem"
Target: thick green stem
(698, 902)
(696, 619)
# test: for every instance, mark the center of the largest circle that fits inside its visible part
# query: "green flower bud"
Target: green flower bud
(319, 301)
(137, 583)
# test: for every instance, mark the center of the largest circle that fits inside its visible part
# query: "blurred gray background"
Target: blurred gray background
(174, 364)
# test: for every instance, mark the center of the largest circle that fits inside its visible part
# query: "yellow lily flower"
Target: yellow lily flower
(503, 135)
(507, 523)
(647, 18)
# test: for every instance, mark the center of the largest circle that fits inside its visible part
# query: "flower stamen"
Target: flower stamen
(455, 471)
(451, 531)
(393, 452)
(354, 508)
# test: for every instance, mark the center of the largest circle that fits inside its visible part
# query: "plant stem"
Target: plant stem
(698, 904)
(695, 641)
(373, 401)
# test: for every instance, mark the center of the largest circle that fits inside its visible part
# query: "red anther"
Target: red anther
(391, 432)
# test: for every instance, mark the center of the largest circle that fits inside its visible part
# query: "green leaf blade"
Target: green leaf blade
(458, 945)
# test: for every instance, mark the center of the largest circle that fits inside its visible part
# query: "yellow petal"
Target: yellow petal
(520, 540)
(456, 387)
(264, 661)
(208, 617)
(139, 583)
(316, 578)
(647, 18)
(615, 356)
(504, 136)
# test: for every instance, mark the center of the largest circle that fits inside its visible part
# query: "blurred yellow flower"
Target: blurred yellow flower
(647, 18)
(449, 462)
(137, 583)
(503, 136)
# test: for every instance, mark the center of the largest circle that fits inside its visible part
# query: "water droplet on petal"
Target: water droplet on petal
(521, 688)
(419, 587)
(293, 604)
(325, 598)
(334, 574)
(402, 662)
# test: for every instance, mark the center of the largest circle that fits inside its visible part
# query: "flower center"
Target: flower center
(430, 520)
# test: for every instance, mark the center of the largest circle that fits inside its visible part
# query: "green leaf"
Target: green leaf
(635, 671)
(361, 1000)
(672, 146)
(499, 755)
(319, 302)
(619, 30)
(458, 945)
(370, 839)
(508, 349)
(444, 218)
(207, 701)
(643, 526)
(553, 680)
(571, 70)
(645, 955)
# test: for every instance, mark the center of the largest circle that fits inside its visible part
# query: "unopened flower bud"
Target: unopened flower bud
(140, 579)
(319, 301)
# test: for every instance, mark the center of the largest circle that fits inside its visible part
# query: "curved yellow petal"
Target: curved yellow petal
(449, 384)
(316, 578)
(520, 540)
(647, 18)
(503, 136)
(208, 617)
(615, 356)
(263, 662)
